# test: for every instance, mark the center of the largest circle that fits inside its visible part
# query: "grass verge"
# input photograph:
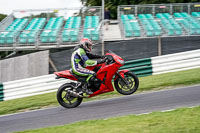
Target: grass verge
(156, 82)
(177, 121)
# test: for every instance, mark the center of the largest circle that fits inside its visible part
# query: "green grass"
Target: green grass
(185, 120)
(181, 78)
(156, 82)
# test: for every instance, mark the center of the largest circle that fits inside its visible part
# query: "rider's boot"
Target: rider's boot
(79, 88)
(95, 83)
(86, 89)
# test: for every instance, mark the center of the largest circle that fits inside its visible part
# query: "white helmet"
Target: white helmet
(86, 44)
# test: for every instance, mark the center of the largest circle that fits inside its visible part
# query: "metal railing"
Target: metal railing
(6, 22)
(158, 8)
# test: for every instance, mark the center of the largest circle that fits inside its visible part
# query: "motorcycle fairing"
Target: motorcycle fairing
(66, 74)
(121, 73)
(105, 74)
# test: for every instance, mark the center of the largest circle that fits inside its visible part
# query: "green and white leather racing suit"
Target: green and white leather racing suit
(81, 59)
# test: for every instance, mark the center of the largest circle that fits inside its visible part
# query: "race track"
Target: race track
(134, 104)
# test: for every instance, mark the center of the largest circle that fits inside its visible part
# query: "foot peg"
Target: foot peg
(57, 77)
(88, 91)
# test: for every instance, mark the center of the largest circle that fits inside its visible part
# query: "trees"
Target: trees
(2, 16)
(112, 4)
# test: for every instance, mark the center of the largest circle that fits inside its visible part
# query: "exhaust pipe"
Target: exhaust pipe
(75, 94)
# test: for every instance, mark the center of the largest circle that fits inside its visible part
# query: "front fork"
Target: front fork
(121, 75)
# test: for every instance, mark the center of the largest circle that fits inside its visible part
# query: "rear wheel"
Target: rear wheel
(131, 86)
(65, 99)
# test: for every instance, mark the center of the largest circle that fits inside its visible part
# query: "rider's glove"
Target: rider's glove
(101, 61)
(103, 56)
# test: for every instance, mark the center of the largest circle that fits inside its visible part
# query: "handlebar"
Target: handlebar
(109, 59)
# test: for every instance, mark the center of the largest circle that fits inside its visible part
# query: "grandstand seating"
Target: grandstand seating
(71, 29)
(179, 23)
(191, 24)
(90, 27)
(173, 25)
(25, 33)
(151, 27)
(169, 24)
(12, 31)
(196, 14)
(51, 30)
(31, 31)
(131, 26)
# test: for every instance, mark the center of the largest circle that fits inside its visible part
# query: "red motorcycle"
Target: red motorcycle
(125, 82)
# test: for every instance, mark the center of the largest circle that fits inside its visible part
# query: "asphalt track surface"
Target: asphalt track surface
(133, 104)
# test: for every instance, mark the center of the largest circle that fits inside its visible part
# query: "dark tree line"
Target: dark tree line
(2, 16)
(112, 4)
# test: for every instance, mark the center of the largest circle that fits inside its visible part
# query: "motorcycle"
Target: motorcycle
(70, 95)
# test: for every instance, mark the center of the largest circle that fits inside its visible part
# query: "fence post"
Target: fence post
(1, 92)
(53, 65)
(171, 9)
(153, 11)
(102, 27)
(189, 9)
(159, 46)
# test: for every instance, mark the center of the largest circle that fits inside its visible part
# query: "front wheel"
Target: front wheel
(65, 99)
(131, 85)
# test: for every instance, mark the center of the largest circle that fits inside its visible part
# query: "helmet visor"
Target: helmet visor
(89, 45)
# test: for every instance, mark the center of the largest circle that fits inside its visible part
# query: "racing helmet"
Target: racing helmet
(86, 44)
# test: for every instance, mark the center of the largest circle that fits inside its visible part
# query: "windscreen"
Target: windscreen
(110, 51)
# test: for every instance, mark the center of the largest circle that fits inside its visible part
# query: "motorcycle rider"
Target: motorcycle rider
(82, 57)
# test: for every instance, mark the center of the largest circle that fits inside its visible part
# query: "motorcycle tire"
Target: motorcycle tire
(65, 99)
(132, 80)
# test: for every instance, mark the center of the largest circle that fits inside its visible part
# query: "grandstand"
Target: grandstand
(53, 30)
(162, 20)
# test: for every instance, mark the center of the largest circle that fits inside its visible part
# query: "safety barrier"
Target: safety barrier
(30, 87)
(142, 67)
(163, 64)
(176, 62)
